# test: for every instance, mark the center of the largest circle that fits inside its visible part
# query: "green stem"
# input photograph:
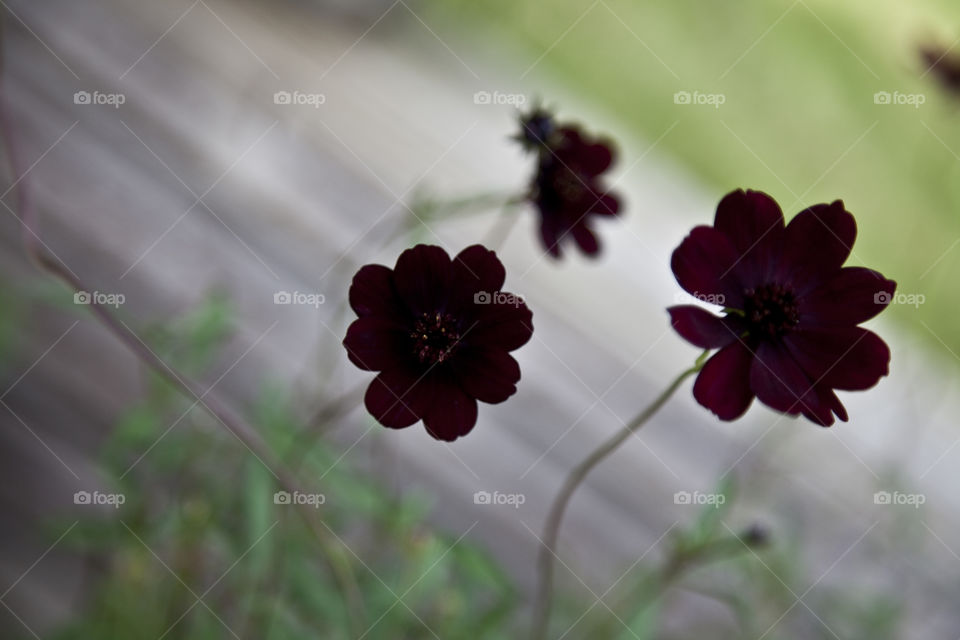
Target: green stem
(548, 543)
(501, 229)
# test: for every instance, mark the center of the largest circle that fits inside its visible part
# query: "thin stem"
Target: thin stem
(548, 543)
(506, 221)
(337, 560)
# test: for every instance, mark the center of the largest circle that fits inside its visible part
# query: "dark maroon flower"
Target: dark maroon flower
(568, 187)
(943, 66)
(789, 335)
(439, 331)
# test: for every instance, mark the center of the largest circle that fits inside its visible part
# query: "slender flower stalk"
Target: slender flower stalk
(333, 552)
(551, 529)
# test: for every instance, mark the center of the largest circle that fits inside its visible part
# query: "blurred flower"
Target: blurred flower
(567, 188)
(945, 68)
(439, 331)
(790, 334)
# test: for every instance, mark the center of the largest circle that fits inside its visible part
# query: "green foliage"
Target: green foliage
(201, 550)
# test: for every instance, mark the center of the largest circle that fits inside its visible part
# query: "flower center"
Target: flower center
(770, 310)
(435, 337)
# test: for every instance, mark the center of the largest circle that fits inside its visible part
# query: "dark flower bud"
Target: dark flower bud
(756, 535)
(536, 129)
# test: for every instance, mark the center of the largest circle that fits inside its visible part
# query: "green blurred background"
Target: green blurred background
(799, 119)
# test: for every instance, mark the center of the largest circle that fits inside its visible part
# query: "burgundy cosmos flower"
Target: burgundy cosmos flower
(790, 334)
(567, 188)
(943, 66)
(439, 331)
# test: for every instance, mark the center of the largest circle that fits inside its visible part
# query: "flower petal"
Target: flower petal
(585, 238)
(722, 384)
(848, 358)
(372, 291)
(702, 328)
(422, 278)
(452, 413)
(374, 343)
(549, 232)
(396, 398)
(607, 205)
(816, 243)
(829, 399)
(703, 265)
(476, 269)
(595, 158)
(852, 296)
(507, 326)
(781, 384)
(753, 222)
(489, 375)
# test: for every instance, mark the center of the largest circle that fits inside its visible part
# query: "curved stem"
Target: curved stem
(336, 558)
(548, 543)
